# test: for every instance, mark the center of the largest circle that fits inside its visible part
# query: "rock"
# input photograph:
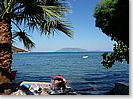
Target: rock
(120, 88)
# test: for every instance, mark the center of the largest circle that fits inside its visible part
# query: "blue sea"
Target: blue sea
(85, 75)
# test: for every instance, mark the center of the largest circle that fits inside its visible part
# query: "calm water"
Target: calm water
(85, 75)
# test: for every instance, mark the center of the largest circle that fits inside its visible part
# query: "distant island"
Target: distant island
(18, 50)
(72, 50)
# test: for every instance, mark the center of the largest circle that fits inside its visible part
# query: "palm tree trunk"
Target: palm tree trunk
(5, 52)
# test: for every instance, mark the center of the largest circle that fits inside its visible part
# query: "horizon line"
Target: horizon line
(71, 51)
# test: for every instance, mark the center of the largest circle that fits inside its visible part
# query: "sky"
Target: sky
(86, 34)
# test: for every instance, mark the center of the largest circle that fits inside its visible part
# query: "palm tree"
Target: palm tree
(47, 16)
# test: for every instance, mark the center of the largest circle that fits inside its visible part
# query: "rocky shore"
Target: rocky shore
(119, 88)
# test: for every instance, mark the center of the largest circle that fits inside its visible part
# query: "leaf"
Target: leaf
(23, 37)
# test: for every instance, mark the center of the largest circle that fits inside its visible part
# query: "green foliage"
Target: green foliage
(48, 16)
(112, 17)
(120, 54)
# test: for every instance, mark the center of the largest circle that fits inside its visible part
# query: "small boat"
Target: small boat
(33, 89)
(85, 56)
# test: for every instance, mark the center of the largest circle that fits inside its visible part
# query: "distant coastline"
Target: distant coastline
(72, 50)
(63, 50)
(78, 50)
(18, 50)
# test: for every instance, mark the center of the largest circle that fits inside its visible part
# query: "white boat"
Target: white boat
(85, 56)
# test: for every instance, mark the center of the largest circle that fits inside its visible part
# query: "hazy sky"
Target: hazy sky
(86, 35)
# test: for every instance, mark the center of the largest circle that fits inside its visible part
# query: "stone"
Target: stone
(120, 88)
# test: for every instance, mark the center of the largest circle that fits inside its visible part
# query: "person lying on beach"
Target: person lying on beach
(59, 81)
(58, 84)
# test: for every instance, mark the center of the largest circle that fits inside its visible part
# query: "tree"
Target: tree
(112, 17)
(47, 16)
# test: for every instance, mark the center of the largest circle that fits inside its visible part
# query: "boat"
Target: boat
(33, 89)
(85, 56)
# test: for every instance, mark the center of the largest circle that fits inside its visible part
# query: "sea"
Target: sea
(83, 70)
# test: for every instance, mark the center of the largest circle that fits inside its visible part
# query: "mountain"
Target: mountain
(17, 50)
(72, 50)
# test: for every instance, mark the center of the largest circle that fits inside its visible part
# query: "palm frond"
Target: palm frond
(23, 37)
(27, 11)
(54, 11)
(51, 26)
(1, 6)
(45, 15)
(7, 6)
